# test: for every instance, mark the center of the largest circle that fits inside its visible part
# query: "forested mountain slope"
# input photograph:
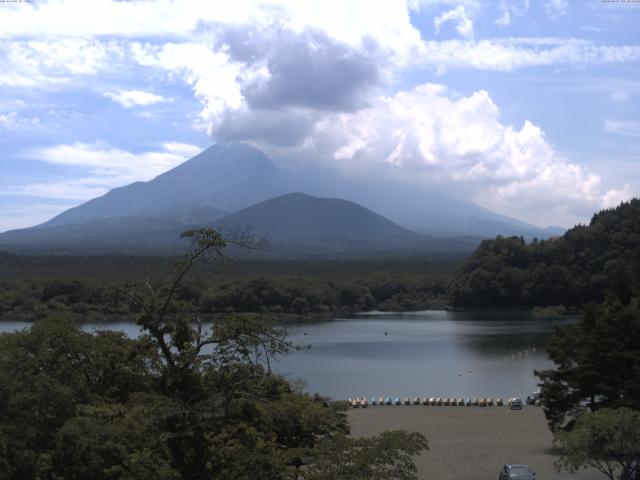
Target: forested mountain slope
(582, 266)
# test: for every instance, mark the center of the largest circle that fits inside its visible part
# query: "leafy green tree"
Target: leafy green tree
(183, 401)
(388, 456)
(607, 440)
(597, 363)
(112, 441)
(47, 373)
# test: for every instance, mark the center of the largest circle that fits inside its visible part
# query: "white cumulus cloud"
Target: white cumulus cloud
(105, 166)
(38, 63)
(132, 98)
(458, 16)
(105, 159)
(435, 137)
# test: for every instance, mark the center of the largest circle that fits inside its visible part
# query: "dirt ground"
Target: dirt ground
(470, 442)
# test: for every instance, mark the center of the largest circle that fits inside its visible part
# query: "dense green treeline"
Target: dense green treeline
(300, 295)
(580, 267)
(66, 284)
(117, 268)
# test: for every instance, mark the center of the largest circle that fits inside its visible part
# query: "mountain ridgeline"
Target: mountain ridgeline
(223, 178)
(582, 266)
(320, 224)
(234, 185)
(294, 225)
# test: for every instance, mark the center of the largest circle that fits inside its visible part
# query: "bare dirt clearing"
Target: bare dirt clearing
(470, 442)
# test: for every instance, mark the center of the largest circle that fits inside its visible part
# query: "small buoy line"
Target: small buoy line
(498, 362)
(363, 402)
(502, 361)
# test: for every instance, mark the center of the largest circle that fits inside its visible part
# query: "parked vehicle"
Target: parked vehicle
(515, 403)
(517, 471)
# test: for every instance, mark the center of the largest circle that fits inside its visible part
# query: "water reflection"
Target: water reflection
(434, 353)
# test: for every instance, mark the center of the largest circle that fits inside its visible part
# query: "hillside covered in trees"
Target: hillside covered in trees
(582, 266)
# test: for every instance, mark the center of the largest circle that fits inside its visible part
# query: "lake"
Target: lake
(429, 353)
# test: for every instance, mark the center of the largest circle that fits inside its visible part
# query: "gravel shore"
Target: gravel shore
(470, 442)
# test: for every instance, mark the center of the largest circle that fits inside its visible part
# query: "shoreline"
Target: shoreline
(313, 317)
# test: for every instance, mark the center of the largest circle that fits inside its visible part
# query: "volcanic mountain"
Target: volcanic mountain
(236, 184)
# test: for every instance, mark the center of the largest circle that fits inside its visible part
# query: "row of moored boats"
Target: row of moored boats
(359, 402)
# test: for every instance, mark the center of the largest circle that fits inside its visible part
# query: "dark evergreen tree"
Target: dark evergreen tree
(597, 363)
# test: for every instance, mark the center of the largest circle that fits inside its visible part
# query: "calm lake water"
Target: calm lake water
(430, 353)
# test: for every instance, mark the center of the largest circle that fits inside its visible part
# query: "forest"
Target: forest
(582, 266)
(33, 286)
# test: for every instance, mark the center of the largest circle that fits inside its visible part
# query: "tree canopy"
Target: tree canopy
(607, 440)
(597, 363)
(582, 266)
(31, 288)
(182, 401)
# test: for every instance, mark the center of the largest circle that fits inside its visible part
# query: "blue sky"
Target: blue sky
(529, 108)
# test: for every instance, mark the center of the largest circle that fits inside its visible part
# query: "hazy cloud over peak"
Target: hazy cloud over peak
(434, 137)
